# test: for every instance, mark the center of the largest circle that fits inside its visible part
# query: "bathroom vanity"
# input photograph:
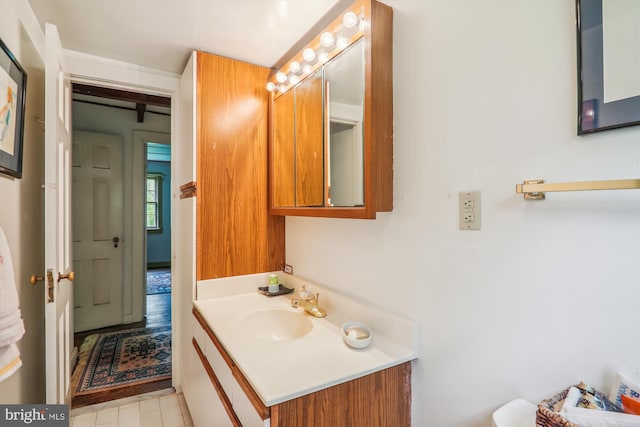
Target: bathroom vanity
(260, 362)
(321, 146)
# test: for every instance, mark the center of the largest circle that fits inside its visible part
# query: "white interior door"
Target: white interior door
(57, 221)
(97, 230)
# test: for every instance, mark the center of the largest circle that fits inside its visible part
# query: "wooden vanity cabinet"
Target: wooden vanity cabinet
(379, 399)
(235, 234)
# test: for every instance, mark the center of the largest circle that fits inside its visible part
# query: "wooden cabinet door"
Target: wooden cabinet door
(283, 151)
(235, 233)
(309, 142)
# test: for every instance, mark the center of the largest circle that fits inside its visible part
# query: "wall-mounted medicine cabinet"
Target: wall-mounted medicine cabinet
(331, 139)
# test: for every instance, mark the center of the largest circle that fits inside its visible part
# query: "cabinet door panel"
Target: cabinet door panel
(220, 367)
(204, 405)
(235, 234)
(282, 149)
(309, 142)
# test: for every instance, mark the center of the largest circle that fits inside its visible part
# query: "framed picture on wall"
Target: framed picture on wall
(13, 85)
(608, 64)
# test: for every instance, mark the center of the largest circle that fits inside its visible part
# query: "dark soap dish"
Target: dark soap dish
(282, 290)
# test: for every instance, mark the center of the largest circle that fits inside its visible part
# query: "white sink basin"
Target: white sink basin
(276, 324)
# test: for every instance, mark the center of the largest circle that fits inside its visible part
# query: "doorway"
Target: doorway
(144, 323)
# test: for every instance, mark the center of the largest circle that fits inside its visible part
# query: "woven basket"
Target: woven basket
(547, 414)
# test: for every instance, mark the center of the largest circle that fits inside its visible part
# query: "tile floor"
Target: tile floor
(164, 408)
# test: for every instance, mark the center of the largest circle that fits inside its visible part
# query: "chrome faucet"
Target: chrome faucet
(309, 302)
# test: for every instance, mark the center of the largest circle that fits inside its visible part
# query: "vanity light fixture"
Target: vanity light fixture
(342, 43)
(281, 77)
(309, 54)
(327, 39)
(349, 20)
(294, 67)
(339, 35)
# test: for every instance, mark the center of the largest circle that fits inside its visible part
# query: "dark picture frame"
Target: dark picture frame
(13, 89)
(594, 114)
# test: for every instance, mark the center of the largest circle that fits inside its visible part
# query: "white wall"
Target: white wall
(547, 293)
(21, 215)
(96, 118)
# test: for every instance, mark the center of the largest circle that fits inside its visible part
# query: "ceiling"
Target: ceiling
(161, 34)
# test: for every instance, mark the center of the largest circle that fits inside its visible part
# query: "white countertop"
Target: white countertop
(283, 370)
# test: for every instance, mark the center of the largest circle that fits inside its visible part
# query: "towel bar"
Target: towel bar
(535, 189)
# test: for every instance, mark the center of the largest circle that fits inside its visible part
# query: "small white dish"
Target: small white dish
(356, 334)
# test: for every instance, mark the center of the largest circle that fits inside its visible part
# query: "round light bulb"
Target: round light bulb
(282, 88)
(342, 43)
(271, 86)
(294, 80)
(309, 54)
(349, 20)
(281, 77)
(326, 39)
(307, 69)
(323, 57)
(294, 67)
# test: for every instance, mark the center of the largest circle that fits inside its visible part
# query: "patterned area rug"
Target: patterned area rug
(158, 281)
(126, 358)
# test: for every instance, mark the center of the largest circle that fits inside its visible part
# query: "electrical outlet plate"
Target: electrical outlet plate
(469, 210)
(287, 269)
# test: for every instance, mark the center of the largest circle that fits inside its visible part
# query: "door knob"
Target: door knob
(35, 279)
(69, 276)
(115, 242)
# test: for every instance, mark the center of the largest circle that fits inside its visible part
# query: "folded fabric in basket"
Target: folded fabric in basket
(593, 417)
(11, 324)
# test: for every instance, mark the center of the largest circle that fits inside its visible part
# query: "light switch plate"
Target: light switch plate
(469, 210)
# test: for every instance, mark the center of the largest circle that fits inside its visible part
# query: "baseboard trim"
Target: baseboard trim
(159, 264)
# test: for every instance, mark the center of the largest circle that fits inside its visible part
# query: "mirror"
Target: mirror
(344, 86)
(318, 146)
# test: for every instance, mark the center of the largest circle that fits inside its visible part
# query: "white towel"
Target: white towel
(11, 324)
(9, 361)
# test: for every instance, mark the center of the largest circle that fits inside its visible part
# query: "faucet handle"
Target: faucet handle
(304, 294)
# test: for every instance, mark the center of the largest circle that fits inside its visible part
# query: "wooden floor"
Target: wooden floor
(158, 314)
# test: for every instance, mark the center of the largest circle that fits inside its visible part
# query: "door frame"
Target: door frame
(97, 71)
(139, 248)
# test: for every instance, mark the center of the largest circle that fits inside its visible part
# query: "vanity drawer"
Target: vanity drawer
(220, 367)
(244, 402)
(205, 406)
(197, 332)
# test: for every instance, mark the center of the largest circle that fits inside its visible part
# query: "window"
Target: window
(154, 206)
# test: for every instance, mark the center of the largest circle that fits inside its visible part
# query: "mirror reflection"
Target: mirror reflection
(344, 86)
